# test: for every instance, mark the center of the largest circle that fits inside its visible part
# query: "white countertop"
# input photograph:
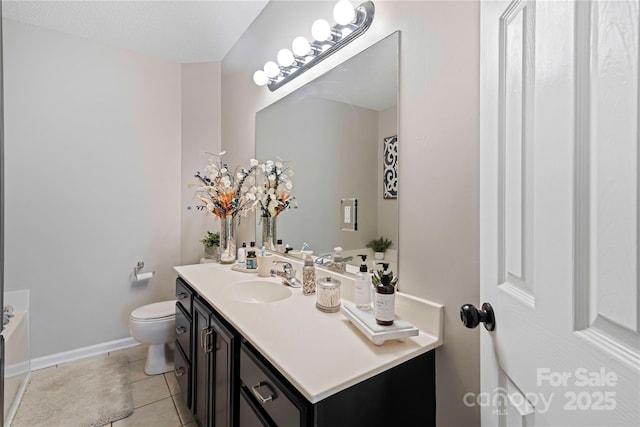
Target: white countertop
(319, 353)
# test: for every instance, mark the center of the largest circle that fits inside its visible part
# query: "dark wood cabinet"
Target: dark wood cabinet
(214, 368)
(232, 385)
(183, 344)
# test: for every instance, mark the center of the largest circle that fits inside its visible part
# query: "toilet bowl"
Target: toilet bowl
(154, 325)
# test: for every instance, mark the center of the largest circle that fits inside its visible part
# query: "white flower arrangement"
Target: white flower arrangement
(221, 192)
(271, 190)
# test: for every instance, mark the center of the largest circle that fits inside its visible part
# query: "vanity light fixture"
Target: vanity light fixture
(351, 23)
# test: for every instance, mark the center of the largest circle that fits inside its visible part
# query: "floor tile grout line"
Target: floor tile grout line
(175, 406)
(176, 409)
(151, 403)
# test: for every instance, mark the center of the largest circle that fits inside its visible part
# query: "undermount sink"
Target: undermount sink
(257, 291)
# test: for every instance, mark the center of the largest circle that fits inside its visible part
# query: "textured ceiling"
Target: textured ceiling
(181, 31)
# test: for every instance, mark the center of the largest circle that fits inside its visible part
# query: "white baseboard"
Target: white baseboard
(81, 353)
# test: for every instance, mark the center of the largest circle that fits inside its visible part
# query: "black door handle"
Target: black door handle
(472, 317)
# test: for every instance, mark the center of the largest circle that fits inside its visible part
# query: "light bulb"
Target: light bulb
(344, 13)
(271, 69)
(260, 78)
(321, 30)
(285, 58)
(301, 46)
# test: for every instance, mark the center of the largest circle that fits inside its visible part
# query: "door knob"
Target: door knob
(472, 317)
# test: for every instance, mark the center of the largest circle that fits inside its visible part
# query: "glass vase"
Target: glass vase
(269, 232)
(227, 240)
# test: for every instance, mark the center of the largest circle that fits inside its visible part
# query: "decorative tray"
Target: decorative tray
(240, 266)
(365, 321)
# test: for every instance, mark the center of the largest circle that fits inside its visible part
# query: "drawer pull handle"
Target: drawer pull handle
(181, 330)
(182, 295)
(202, 335)
(259, 396)
(208, 348)
(179, 371)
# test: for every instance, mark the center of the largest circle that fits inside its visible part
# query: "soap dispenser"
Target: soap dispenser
(242, 253)
(385, 297)
(308, 276)
(337, 263)
(363, 286)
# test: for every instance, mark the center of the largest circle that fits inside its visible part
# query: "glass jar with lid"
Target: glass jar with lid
(328, 295)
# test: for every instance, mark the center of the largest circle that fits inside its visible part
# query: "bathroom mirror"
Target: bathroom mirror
(333, 131)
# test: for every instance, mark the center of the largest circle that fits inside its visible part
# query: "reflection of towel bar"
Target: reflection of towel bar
(142, 276)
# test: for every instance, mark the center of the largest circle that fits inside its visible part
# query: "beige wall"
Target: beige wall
(92, 155)
(200, 133)
(438, 130)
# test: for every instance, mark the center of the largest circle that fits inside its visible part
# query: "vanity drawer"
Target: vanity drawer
(249, 414)
(182, 371)
(184, 295)
(183, 330)
(268, 392)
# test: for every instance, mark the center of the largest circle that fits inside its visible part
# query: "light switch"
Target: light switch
(347, 214)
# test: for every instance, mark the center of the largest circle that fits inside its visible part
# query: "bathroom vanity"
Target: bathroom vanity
(252, 352)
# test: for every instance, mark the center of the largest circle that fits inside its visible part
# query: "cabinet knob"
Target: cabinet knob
(472, 317)
(181, 330)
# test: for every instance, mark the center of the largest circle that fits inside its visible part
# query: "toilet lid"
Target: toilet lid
(154, 311)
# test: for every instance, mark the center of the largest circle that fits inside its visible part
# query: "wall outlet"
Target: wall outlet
(349, 214)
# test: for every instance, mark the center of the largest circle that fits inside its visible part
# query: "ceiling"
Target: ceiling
(177, 30)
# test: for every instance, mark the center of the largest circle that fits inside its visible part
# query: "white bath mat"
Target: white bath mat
(90, 392)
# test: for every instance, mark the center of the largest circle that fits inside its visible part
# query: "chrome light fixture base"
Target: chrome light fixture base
(323, 49)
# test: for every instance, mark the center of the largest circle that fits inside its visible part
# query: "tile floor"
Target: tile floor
(157, 400)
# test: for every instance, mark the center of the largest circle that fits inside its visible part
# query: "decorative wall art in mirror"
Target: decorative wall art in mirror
(390, 168)
(333, 132)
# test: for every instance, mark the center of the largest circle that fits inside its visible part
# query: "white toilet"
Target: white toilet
(154, 324)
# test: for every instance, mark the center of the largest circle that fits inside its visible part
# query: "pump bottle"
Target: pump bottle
(242, 253)
(337, 263)
(363, 286)
(385, 298)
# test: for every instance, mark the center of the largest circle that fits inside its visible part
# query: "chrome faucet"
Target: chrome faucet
(324, 259)
(288, 274)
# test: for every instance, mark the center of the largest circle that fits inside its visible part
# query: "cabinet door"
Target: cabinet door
(200, 364)
(224, 381)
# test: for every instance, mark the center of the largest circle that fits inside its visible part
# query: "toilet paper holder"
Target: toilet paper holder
(142, 276)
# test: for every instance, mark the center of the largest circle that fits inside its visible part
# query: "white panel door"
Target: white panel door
(559, 208)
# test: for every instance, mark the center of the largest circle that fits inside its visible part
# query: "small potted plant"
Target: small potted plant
(211, 243)
(379, 246)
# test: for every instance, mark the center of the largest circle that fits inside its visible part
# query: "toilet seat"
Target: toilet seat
(154, 312)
